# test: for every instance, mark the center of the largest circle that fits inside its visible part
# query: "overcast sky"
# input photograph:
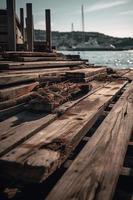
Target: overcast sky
(112, 17)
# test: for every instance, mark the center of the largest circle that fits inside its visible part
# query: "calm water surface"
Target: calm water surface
(114, 59)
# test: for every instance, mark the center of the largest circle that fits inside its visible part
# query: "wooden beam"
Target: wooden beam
(95, 172)
(29, 27)
(48, 30)
(39, 64)
(11, 16)
(53, 144)
(22, 21)
(7, 125)
(9, 54)
(16, 91)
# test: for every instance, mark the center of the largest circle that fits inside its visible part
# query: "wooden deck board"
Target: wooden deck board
(16, 91)
(26, 120)
(60, 137)
(129, 75)
(39, 64)
(95, 172)
(9, 77)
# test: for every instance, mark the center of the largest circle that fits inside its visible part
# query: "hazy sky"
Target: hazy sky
(112, 17)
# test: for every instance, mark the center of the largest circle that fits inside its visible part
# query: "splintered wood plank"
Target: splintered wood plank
(95, 172)
(61, 136)
(39, 64)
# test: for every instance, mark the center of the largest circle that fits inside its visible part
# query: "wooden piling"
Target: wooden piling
(11, 17)
(48, 30)
(29, 27)
(22, 21)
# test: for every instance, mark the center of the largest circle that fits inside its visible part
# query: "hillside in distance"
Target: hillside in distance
(88, 40)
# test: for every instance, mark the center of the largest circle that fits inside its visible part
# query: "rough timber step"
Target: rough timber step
(9, 54)
(36, 158)
(25, 71)
(84, 73)
(95, 172)
(39, 64)
(7, 78)
(35, 59)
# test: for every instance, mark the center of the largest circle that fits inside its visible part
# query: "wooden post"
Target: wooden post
(29, 27)
(11, 17)
(22, 21)
(48, 30)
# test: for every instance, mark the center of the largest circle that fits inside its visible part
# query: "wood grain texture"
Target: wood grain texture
(61, 136)
(28, 54)
(16, 91)
(27, 122)
(94, 173)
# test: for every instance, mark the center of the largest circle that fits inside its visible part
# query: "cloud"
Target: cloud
(127, 12)
(106, 5)
(40, 25)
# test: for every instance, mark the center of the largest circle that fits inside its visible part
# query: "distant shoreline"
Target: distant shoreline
(92, 49)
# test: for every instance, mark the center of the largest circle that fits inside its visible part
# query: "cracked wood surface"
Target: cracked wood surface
(95, 172)
(58, 139)
(24, 124)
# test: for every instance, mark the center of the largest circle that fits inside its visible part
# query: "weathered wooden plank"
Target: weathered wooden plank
(39, 64)
(3, 19)
(84, 73)
(3, 29)
(48, 30)
(3, 38)
(35, 59)
(12, 79)
(94, 173)
(21, 127)
(17, 91)
(11, 125)
(129, 75)
(16, 101)
(29, 27)
(31, 71)
(22, 21)
(11, 17)
(61, 136)
(6, 113)
(28, 54)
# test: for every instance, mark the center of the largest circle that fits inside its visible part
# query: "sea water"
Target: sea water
(114, 59)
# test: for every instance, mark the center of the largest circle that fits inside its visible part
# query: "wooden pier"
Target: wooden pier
(66, 127)
(35, 146)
